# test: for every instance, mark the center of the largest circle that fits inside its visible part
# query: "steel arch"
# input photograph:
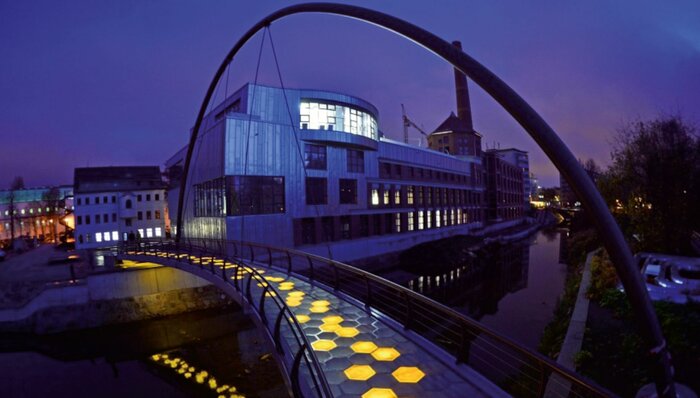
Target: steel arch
(530, 120)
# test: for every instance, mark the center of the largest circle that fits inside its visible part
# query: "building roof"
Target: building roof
(115, 179)
(456, 125)
(36, 194)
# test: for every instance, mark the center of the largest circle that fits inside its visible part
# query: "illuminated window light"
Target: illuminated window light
(323, 345)
(385, 354)
(347, 332)
(359, 372)
(379, 393)
(408, 374)
(363, 347)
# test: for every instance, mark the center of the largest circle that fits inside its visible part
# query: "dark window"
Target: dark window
(97, 218)
(315, 156)
(139, 215)
(157, 197)
(148, 197)
(148, 215)
(138, 198)
(105, 199)
(386, 167)
(105, 218)
(388, 223)
(356, 161)
(397, 169)
(128, 203)
(97, 200)
(345, 227)
(244, 195)
(87, 219)
(157, 214)
(87, 201)
(327, 225)
(364, 225)
(308, 231)
(316, 191)
(114, 217)
(128, 222)
(114, 199)
(80, 201)
(80, 220)
(348, 191)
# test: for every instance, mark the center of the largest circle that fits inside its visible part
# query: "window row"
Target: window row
(398, 172)
(39, 210)
(105, 218)
(317, 191)
(315, 157)
(391, 195)
(316, 115)
(105, 199)
(239, 195)
(314, 230)
(113, 236)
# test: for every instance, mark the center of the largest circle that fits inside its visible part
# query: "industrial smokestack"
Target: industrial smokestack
(464, 110)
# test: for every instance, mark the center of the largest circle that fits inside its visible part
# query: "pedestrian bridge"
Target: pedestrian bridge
(339, 331)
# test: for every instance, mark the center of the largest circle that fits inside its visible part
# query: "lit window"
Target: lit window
(397, 218)
(420, 219)
(140, 233)
(397, 195)
(459, 216)
(149, 232)
(315, 157)
(409, 195)
(410, 221)
(22, 211)
(159, 232)
(107, 237)
(437, 218)
(98, 237)
(386, 194)
(375, 195)
(31, 211)
(115, 236)
(428, 219)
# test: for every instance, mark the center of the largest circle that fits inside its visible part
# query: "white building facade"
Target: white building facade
(114, 204)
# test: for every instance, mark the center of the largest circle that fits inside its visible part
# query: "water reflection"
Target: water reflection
(477, 286)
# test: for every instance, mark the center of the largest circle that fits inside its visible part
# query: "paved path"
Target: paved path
(362, 355)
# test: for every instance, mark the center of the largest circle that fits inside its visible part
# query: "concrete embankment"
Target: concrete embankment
(110, 298)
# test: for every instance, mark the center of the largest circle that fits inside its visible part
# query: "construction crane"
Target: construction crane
(409, 123)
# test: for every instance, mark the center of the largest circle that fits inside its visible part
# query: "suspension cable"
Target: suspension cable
(294, 129)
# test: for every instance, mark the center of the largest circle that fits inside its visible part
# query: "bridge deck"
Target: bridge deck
(361, 354)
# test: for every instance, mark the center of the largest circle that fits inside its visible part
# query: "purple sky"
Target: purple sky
(119, 82)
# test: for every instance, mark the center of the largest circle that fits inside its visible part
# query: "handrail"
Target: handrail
(305, 351)
(421, 314)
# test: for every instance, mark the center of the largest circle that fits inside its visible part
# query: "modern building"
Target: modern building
(310, 169)
(35, 211)
(115, 204)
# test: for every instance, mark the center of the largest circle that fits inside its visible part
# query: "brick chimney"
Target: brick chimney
(464, 111)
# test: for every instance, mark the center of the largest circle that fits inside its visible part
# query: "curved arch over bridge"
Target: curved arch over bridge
(529, 119)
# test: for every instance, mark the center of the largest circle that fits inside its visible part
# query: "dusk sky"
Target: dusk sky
(98, 83)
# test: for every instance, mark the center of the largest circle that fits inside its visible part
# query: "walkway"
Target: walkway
(360, 354)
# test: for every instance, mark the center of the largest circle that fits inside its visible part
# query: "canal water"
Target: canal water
(511, 288)
(207, 353)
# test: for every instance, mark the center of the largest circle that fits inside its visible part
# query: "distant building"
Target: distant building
(518, 158)
(504, 188)
(35, 211)
(115, 204)
(567, 196)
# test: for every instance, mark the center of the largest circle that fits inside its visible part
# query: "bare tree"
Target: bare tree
(52, 201)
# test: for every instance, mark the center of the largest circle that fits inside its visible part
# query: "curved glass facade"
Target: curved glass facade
(319, 115)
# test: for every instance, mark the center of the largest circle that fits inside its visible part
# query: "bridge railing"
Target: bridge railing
(517, 370)
(244, 278)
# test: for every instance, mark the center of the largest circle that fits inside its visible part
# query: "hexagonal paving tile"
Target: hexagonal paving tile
(385, 354)
(333, 319)
(318, 309)
(301, 318)
(363, 347)
(408, 374)
(320, 303)
(347, 332)
(379, 393)
(329, 327)
(359, 372)
(323, 345)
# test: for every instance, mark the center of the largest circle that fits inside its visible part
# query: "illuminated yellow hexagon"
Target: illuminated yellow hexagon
(333, 319)
(379, 393)
(385, 354)
(408, 374)
(329, 327)
(359, 372)
(318, 310)
(302, 318)
(274, 278)
(323, 345)
(293, 303)
(270, 294)
(363, 347)
(347, 332)
(297, 293)
(286, 287)
(320, 303)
